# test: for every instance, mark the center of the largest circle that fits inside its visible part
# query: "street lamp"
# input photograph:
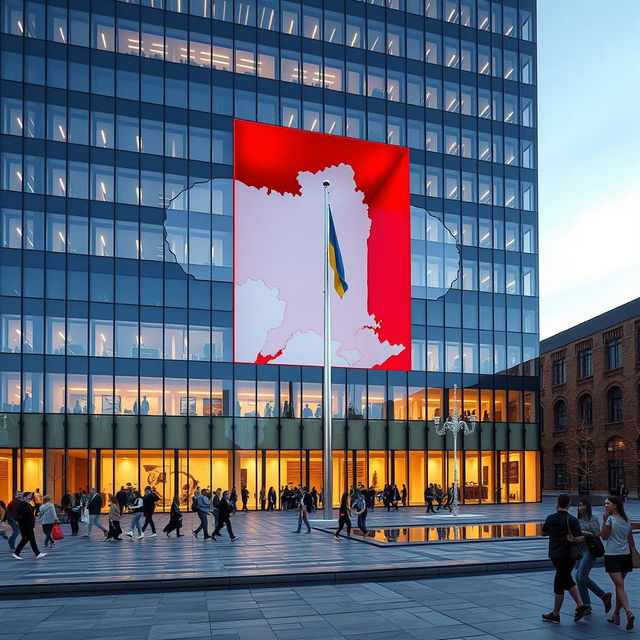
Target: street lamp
(454, 424)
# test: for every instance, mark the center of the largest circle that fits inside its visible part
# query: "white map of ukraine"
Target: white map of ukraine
(279, 275)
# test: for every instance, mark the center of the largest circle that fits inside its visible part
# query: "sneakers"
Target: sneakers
(141, 536)
(295, 532)
(130, 534)
(16, 556)
(581, 612)
(40, 556)
(234, 538)
(153, 535)
(606, 599)
(551, 617)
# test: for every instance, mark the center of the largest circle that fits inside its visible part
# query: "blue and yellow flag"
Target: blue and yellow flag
(335, 260)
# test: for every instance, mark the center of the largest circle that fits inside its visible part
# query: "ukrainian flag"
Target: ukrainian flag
(335, 260)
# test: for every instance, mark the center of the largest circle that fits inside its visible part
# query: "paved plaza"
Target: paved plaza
(502, 606)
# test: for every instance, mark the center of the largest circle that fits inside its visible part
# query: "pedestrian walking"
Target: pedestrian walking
(359, 505)
(11, 519)
(175, 518)
(304, 508)
(48, 518)
(439, 496)
(403, 495)
(618, 544)
(122, 499)
(27, 523)
(4, 526)
(225, 509)
(136, 508)
(343, 516)
(148, 507)
(592, 549)
(115, 514)
(233, 499)
(429, 497)
(271, 499)
(94, 506)
(37, 502)
(215, 504)
(263, 499)
(244, 493)
(203, 507)
(563, 531)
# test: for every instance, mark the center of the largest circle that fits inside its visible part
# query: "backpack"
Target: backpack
(194, 503)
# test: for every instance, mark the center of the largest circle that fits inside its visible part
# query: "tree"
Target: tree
(584, 458)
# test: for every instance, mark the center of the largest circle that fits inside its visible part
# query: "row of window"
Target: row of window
(612, 360)
(614, 413)
(178, 91)
(308, 21)
(131, 185)
(434, 350)
(133, 395)
(34, 119)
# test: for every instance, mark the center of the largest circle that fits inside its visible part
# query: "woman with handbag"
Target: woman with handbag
(48, 518)
(619, 547)
(592, 548)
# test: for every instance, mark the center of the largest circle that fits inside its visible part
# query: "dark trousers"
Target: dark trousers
(114, 530)
(222, 521)
(362, 521)
(16, 530)
(74, 521)
(204, 524)
(262, 503)
(244, 505)
(148, 520)
(430, 508)
(563, 581)
(28, 536)
(47, 529)
(342, 521)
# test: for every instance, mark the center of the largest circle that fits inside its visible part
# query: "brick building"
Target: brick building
(590, 404)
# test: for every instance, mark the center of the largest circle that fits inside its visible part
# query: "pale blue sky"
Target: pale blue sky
(589, 158)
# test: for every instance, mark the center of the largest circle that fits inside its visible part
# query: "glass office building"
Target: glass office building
(116, 168)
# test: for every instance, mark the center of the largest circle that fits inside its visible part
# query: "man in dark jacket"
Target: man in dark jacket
(122, 499)
(215, 505)
(304, 508)
(225, 509)
(148, 507)
(244, 492)
(27, 523)
(94, 506)
(563, 530)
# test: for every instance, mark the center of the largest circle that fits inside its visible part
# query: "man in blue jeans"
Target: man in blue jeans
(12, 511)
(94, 506)
(203, 508)
(305, 506)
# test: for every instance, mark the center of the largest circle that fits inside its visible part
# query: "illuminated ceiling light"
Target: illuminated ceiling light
(103, 136)
(19, 231)
(104, 40)
(62, 34)
(19, 121)
(353, 40)
(315, 31)
(375, 43)
(62, 132)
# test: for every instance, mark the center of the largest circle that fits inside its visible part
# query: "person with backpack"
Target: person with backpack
(175, 519)
(304, 508)
(48, 518)
(225, 509)
(136, 507)
(359, 505)
(27, 523)
(564, 533)
(148, 507)
(94, 506)
(592, 548)
(202, 506)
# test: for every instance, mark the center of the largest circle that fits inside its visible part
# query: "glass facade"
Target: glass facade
(116, 169)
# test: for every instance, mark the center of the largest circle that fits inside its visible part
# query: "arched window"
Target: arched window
(614, 404)
(585, 411)
(560, 450)
(560, 416)
(615, 445)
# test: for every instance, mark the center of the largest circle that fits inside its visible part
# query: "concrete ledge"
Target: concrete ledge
(202, 583)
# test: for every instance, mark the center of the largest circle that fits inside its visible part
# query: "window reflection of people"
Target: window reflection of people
(286, 410)
(76, 407)
(268, 410)
(306, 412)
(318, 413)
(26, 402)
(144, 406)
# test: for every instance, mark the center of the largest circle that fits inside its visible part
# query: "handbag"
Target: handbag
(595, 546)
(56, 532)
(574, 548)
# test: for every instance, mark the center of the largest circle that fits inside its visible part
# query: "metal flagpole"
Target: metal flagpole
(327, 491)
